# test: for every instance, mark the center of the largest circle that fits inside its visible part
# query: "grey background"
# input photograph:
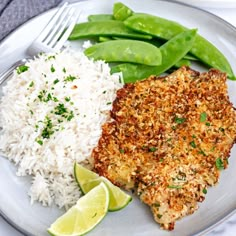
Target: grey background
(13, 13)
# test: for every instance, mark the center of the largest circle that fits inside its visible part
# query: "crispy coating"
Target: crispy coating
(168, 140)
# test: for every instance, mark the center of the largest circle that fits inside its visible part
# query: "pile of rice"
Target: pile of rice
(51, 116)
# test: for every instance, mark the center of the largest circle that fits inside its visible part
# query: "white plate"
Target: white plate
(210, 3)
(136, 219)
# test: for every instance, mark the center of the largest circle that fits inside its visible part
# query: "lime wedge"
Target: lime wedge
(87, 180)
(85, 215)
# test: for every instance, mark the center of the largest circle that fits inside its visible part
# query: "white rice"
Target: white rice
(23, 118)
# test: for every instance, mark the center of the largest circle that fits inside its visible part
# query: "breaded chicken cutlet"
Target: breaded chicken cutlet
(168, 140)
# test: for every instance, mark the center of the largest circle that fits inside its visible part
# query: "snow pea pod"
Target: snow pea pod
(104, 28)
(100, 17)
(166, 29)
(125, 51)
(172, 51)
(121, 11)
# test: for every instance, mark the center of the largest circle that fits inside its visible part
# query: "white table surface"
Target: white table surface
(227, 228)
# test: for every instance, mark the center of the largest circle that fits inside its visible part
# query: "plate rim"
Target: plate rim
(74, 2)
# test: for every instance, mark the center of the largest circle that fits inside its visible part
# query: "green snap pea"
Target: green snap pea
(121, 11)
(172, 51)
(104, 28)
(159, 42)
(104, 39)
(166, 29)
(182, 62)
(125, 51)
(100, 17)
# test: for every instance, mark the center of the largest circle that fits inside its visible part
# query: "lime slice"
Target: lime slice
(87, 180)
(85, 215)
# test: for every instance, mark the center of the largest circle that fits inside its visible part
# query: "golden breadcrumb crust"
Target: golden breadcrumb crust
(168, 139)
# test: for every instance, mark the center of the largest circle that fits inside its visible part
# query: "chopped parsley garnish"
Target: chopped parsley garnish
(41, 95)
(208, 124)
(193, 144)
(56, 81)
(194, 136)
(52, 69)
(48, 128)
(31, 112)
(70, 116)
(219, 164)
(39, 141)
(60, 109)
(108, 103)
(67, 99)
(64, 70)
(104, 92)
(122, 151)
(70, 78)
(55, 99)
(44, 97)
(179, 120)
(202, 152)
(203, 117)
(222, 129)
(157, 204)
(51, 57)
(21, 69)
(159, 216)
(175, 186)
(204, 191)
(152, 149)
(31, 84)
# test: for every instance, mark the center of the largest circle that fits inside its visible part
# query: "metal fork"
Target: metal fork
(56, 32)
(52, 38)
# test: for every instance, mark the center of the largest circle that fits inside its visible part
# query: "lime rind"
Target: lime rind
(85, 215)
(87, 180)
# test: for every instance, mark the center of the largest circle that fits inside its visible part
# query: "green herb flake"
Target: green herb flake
(39, 141)
(159, 216)
(174, 186)
(48, 128)
(60, 109)
(52, 69)
(202, 152)
(122, 151)
(31, 112)
(108, 103)
(152, 149)
(157, 204)
(203, 117)
(70, 116)
(219, 164)
(64, 70)
(31, 84)
(194, 136)
(22, 68)
(222, 129)
(51, 57)
(70, 78)
(208, 124)
(55, 81)
(55, 99)
(193, 144)
(67, 99)
(179, 120)
(173, 127)
(204, 191)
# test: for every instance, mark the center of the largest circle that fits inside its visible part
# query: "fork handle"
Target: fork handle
(8, 72)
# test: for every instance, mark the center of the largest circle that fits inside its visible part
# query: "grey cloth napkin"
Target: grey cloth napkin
(13, 13)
